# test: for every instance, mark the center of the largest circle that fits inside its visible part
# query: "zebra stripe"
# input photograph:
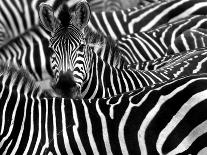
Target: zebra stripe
(190, 39)
(103, 80)
(152, 44)
(30, 51)
(157, 119)
(134, 19)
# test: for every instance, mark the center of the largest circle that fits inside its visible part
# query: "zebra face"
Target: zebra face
(68, 60)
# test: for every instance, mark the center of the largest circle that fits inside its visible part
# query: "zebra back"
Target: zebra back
(157, 119)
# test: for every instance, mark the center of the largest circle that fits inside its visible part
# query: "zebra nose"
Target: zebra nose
(66, 86)
(66, 80)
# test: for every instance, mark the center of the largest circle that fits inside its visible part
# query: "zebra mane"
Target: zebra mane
(22, 75)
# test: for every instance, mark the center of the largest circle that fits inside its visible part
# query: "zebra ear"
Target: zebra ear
(81, 15)
(47, 18)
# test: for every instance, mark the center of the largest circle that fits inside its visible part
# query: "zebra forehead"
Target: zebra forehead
(70, 33)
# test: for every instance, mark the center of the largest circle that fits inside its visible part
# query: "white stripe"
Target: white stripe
(139, 18)
(5, 104)
(27, 14)
(39, 128)
(4, 112)
(177, 118)
(75, 129)
(46, 145)
(11, 21)
(97, 81)
(19, 6)
(184, 42)
(110, 30)
(149, 46)
(189, 11)
(112, 106)
(90, 130)
(135, 48)
(55, 133)
(31, 133)
(17, 16)
(5, 151)
(24, 116)
(163, 36)
(119, 25)
(102, 79)
(199, 66)
(30, 52)
(155, 20)
(112, 80)
(105, 135)
(98, 23)
(45, 74)
(153, 112)
(65, 135)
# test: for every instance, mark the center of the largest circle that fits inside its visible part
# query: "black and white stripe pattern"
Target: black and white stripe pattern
(102, 80)
(17, 17)
(134, 20)
(190, 39)
(152, 44)
(159, 119)
(29, 51)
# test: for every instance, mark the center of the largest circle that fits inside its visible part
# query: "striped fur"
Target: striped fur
(161, 119)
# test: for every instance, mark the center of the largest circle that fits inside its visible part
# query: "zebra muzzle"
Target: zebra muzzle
(66, 86)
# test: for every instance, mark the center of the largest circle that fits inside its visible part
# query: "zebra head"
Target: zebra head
(68, 45)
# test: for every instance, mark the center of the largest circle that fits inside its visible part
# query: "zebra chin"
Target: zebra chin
(66, 87)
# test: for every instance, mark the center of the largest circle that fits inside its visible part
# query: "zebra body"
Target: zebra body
(138, 19)
(165, 118)
(152, 44)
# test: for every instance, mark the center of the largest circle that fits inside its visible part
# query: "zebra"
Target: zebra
(78, 68)
(136, 19)
(167, 118)
(152, 44)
